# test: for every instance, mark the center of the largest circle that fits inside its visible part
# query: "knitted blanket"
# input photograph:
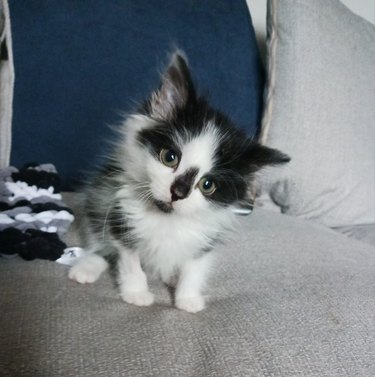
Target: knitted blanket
(33, 216)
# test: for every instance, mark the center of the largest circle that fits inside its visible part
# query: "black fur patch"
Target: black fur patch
(119, 227)
(157, 138)
(237, 159)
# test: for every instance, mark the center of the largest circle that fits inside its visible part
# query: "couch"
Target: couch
(293, 289)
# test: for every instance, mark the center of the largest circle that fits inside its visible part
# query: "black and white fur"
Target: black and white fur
(155, 217)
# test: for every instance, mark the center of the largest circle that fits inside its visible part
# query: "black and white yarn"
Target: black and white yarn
(32, 214)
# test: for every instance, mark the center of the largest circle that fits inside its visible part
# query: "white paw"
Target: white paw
(139, 298)
(88, 269)
(190, 304)
(84, 273)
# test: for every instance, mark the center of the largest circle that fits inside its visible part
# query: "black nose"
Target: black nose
(181, 187)
(179, 190)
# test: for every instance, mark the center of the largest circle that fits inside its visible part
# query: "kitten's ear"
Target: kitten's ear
(260, 156)
(175, 91)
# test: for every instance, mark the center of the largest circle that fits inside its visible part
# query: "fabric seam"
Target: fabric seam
(271, 75)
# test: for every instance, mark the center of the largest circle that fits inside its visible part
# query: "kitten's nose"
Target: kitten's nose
(181, 187)
(179, 190)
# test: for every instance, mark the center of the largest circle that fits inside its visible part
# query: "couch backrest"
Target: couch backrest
(79, 64)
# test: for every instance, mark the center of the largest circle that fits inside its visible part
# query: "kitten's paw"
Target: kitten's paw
(83, 274)
(190, 304)
(139, 298)
(88, 270)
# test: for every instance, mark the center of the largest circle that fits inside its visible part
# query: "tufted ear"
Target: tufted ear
(175, 91)
(259, 156)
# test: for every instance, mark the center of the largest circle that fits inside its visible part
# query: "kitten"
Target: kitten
(167, 193)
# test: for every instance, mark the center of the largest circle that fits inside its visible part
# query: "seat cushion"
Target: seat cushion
(286, 297)
(365, 233)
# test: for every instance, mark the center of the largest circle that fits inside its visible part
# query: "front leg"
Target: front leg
(193, 276)
(132, 280)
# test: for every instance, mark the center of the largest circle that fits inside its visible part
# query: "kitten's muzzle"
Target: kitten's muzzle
(163, 206)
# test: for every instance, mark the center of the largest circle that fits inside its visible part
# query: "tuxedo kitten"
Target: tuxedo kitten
(167, 193)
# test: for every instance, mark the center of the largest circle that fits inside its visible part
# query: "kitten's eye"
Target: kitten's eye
(169, 157)
(207, 186)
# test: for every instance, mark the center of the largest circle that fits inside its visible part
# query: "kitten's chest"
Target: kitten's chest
(172, 235)
(165, 243)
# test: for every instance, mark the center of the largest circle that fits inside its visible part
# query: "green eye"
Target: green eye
(169, 157)
(207, 186)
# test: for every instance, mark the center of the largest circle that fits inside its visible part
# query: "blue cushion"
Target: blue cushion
(80, 63)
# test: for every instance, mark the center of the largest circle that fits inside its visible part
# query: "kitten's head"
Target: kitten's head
(184, 156)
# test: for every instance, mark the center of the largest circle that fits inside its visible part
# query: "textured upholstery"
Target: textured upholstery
(287, 298)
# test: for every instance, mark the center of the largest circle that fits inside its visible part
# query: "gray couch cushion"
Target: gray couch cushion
(320, 110)
(365, 233)
(287, 298)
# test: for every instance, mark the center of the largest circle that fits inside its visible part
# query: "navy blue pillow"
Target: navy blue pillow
(80, 63)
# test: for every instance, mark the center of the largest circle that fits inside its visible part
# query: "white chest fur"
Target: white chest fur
(166, 241)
